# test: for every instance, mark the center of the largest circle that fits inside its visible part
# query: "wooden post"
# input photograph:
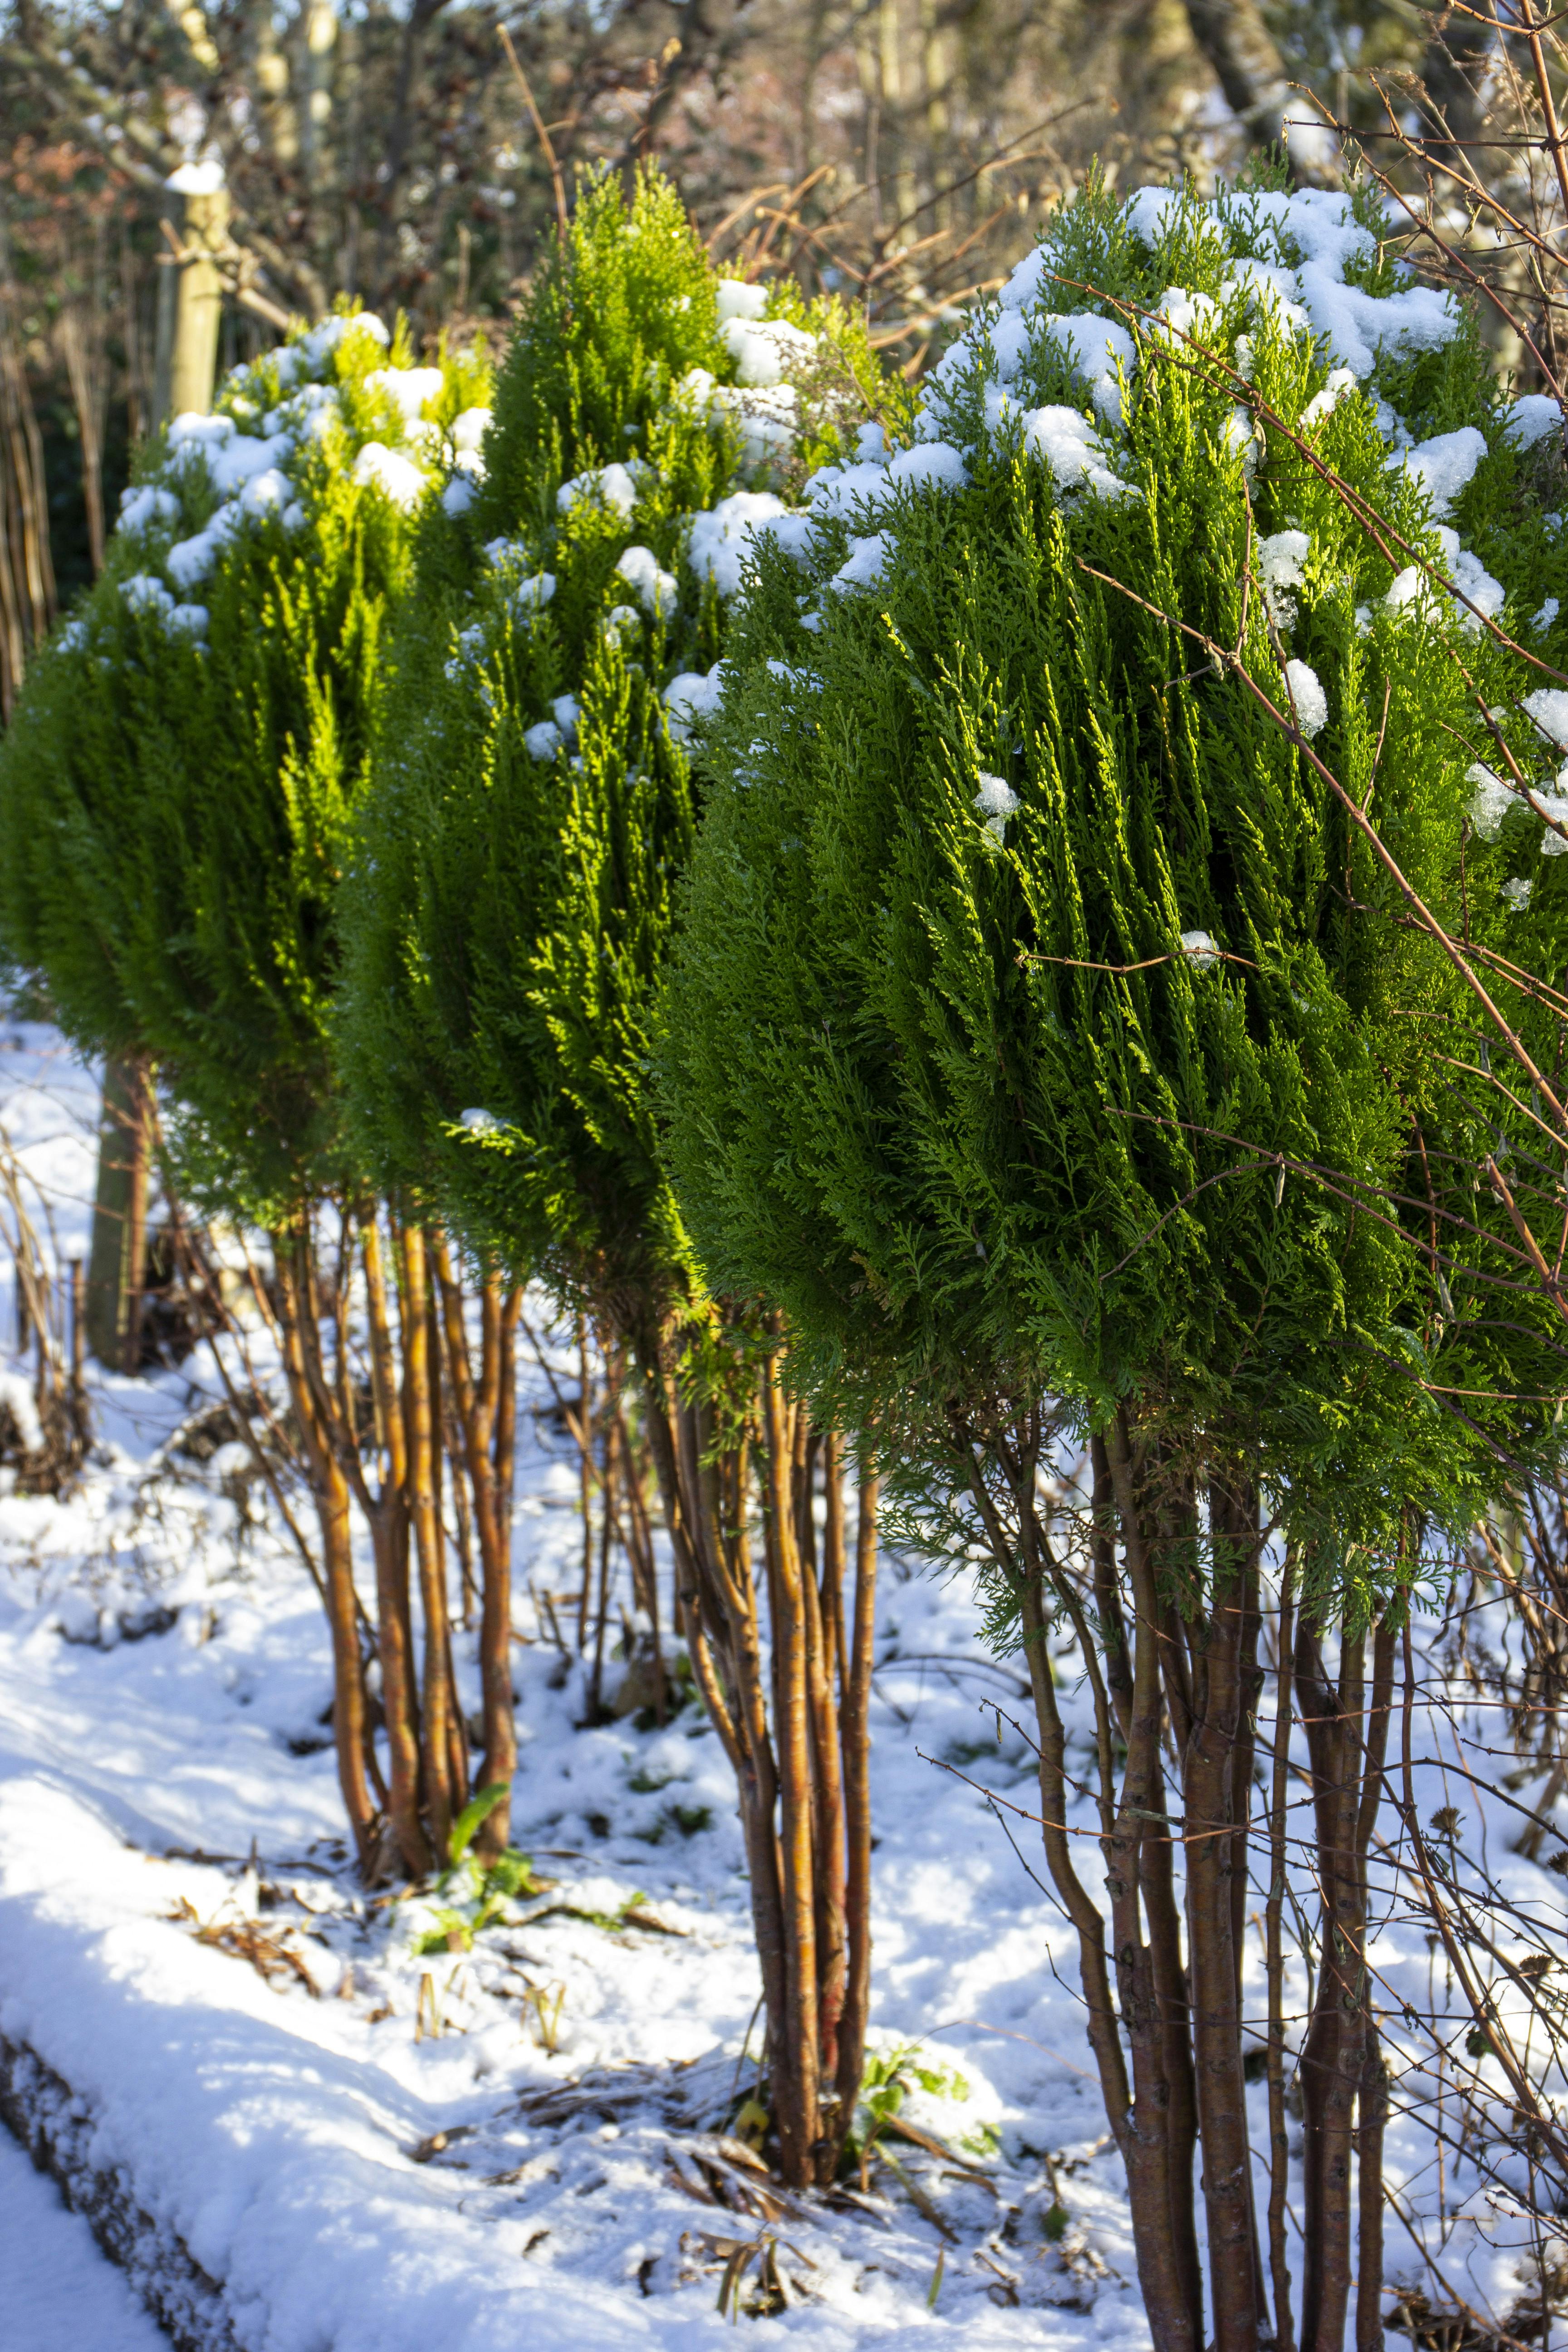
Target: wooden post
(190, 305)
(119, 1248)
(190, 291)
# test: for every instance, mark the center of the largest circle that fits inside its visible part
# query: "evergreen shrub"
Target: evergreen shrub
(534, 802)
(1048, 1040)
(1041, 1024)
(510, 913)
(179, 784)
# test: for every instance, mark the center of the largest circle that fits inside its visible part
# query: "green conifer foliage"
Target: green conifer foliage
(1046, 1040)
(1024, 945)
(534, 804)
(178, 786)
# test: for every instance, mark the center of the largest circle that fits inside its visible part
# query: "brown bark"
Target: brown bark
(824, 1607)
(609, 1513)
(1278, 2138)
(799, 2119)
(800, 1763)
(1333, 2056)
(585, 1478)
(443, 1797)
(388, 1517)
(26, 570)
(856, 1742)
(330, 1490)
(116, 1262)
(1107, 1598)
(486, 1415)
(1372, 2111)
(1372, 2115)
(1154, 2191)
(1212, 1809)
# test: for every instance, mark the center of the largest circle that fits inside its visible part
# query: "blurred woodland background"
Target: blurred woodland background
(414, 156)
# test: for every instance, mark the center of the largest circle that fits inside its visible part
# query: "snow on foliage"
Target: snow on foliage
(318, 403)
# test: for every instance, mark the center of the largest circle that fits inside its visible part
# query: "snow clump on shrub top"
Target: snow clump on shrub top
(333, 403)
(1052, 370)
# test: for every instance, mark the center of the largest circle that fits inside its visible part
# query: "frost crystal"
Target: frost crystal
(1548, 708)
(389, 471)
(1485, 594)
(408, 389)
(611, 486)
(1444, 464)
(690, 697)
(866, 564)
(720, 537)
(1324, 404)
(737, 300)
(534, 593)
(1530, 420)
(139, 508)
(763, 349)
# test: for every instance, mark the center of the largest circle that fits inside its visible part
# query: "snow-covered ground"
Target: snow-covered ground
(308, 2134)
(59, 2292)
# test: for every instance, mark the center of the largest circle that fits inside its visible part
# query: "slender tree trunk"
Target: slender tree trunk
(1372, 2094)
(389, 1536)
(118, 1254)
(1211, 1807)
(857, 1739)
(802, 1778)
(1332, 2057)
(1373, 2116)
(26, 570)
(330, 1489)
(442, 1799)
(1154, 2192)
(824, 1650)
(585, 1478)
(486, 1415)
(800, 2120)
(609, 1513)
(1279, 2136)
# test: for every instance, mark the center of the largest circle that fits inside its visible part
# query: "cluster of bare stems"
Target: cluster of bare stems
(399, 1406)
(1213, 1812)
(402, 1398)
(1478, 204)
(909, 266)
(778, 1629)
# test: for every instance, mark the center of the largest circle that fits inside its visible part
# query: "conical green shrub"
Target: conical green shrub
(1041, 1026)
(534, 802)
(179, 783)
